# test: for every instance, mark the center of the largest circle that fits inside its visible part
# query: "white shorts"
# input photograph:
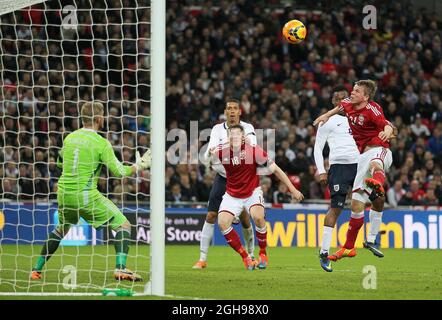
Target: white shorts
(235, 206)
(380, 155)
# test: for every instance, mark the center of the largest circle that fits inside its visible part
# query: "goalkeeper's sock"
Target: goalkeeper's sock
(206, 239)
(249, 238)
(122, 239)
(48, 249)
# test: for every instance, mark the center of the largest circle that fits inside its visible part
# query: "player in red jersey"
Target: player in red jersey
(241, 161)
(371, 132)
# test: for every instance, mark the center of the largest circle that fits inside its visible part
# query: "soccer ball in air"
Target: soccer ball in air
(294, 31)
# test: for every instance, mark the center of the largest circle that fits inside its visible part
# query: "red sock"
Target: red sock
(262, 241)
(379, 175)
(352, 233)
(234, 241)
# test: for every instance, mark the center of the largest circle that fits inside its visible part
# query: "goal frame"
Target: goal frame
(158, 137)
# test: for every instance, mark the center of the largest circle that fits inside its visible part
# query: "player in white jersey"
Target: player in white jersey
(343, 159)
(218, 136)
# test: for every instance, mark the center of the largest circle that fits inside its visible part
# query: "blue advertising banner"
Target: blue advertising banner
(303, 228)
(30, 223)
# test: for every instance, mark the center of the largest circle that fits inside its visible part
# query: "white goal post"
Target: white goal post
(158, 136)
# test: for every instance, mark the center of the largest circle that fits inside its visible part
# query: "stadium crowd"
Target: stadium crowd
(217, 50)
(48, 69)
(236, 51)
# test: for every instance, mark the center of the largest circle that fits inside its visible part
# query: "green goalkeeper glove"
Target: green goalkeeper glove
(143, 162)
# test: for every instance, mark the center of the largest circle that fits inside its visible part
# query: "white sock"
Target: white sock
(357, 215)
(326, 239)
(249, 239)
(375, 225)
(206, 239)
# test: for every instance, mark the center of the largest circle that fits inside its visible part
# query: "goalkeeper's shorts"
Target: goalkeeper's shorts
(92, 206)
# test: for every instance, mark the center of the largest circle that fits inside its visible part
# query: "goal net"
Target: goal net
(54, 56)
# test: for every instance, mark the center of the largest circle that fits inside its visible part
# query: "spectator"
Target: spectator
(10, 189)
(25, 183)
(418, 128)
(435, 143)
(282, 195)
(430, 198)
(395, 194)
(266, 185)
(187, 190)
(414, 196)
(174, 195)
(204, 189)
(11, 170)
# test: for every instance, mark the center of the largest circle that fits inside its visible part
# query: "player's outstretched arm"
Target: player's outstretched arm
(324, 117)
(117, 168)
(296, 194)
(321, 139)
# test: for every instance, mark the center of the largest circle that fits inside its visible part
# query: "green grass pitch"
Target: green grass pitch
(293, 273)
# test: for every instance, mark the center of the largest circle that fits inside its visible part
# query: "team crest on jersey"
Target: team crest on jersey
(361, 120)
(242, 154)
(336, 187)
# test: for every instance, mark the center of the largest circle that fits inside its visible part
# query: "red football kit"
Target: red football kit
(240, 166)
(366, 123)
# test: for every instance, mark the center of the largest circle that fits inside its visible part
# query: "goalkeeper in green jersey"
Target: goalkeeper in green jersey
(83, 154)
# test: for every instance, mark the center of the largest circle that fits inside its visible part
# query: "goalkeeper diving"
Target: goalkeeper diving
(83, 154)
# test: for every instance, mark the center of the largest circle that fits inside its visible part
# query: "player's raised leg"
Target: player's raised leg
(375, 224)
(376, 183)
(380, 161)
(377, 179)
